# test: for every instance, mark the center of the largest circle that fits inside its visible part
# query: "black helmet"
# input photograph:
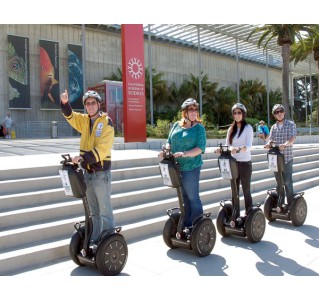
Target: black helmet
(240, 106)
(277, 106)
(189, 102)
(91, 94)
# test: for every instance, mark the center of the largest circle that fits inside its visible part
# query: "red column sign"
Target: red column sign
(133, 73)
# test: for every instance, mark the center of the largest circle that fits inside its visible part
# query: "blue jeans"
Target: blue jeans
(287, 177)
(98, 194)
(190, 191)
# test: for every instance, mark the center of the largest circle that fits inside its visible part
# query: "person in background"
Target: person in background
(240, 139)
(8, 124)
(263, 131)
(187, 141)
(97, 137)
(283, 133)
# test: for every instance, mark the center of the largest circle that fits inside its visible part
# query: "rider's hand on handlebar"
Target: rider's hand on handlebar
(282, 147)
(77, 159)
(179, 154)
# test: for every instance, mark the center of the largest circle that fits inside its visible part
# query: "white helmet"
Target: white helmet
(240, 106)
(276, 106)
(189, 102)
(91, 94)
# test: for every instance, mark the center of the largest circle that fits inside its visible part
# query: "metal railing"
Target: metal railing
(44, 129)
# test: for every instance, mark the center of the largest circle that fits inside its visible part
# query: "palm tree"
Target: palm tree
(251, 95)
(159, 89)
(115, 76)
(300, 51)
(191, 87)
(286, 35)
(220, 105)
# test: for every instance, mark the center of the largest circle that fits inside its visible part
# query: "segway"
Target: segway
(229, 221)
(276, 206)
(201, 236)
(109, 256)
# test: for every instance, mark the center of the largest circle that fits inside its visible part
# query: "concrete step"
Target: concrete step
(51, 221)
(18, 260)
(36, 218)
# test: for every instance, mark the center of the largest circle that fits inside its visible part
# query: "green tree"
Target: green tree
(219, 106)
(251, 95)
(300, 51)
(286, 35)
(159, 90)
(115, 76)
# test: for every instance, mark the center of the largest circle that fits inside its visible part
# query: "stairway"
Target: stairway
(36, 217)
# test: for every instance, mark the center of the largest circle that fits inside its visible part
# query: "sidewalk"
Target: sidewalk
(285, 250)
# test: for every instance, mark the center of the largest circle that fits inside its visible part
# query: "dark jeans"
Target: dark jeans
(190, 190)
(287, 177)
(244, 177)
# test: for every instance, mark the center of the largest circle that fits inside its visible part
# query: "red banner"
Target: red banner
(133, 73)
(49, 75)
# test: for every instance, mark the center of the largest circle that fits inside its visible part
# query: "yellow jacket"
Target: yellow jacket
(95, 145)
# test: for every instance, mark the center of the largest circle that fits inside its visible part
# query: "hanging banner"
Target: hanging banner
(18, 72)
(133, 72)
(49, 75)
(75, 70)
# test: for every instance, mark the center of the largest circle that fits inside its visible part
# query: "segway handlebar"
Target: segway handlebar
(67, 160)
(223, 148)
(167, 153)
(273, 145)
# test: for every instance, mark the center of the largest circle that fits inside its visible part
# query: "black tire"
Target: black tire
(170, 229)
(269, 204)
(76, 245)
(203, 237)
(298, 211)
(255, 225)
(111, 255)
(223, 217)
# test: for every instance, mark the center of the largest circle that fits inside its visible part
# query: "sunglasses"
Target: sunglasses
(193, 109)
(90, 103)
(237, 113)
(279, 111)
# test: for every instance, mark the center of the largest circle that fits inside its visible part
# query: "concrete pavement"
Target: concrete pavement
(285, 250)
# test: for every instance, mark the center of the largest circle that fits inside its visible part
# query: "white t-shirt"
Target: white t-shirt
(245, 139)
(7, 122)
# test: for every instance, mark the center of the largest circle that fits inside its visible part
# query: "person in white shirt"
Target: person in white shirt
(240, 139)
(8, 124)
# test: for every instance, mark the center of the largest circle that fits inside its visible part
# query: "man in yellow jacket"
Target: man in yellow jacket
(97, 137)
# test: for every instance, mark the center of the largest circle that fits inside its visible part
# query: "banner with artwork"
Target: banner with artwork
(49, 75)
(18, 72)
(75, 70)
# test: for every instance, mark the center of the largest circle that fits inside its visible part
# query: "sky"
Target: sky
(156, 12)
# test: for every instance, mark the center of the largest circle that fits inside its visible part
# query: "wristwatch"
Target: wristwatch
(239, 149)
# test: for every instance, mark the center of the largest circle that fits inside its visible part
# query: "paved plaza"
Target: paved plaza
(285, 261)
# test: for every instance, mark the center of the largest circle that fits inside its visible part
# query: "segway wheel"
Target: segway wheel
(269, 204)
(255, 225)
(223, 217)
(203, 237)
(111, 255)
(170, 229)
(76, 245)
(298, 211)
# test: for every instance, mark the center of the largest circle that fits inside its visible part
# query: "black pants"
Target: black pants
(244, 178)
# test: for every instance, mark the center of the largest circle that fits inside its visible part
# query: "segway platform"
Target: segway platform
(109, 255)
